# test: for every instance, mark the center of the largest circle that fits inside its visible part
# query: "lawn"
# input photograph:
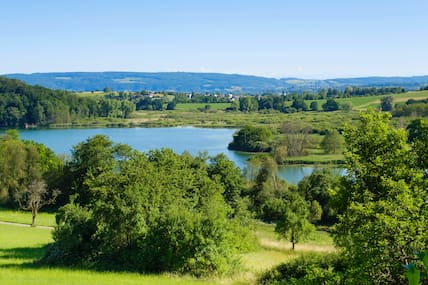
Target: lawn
(24, 217)
(20, 246)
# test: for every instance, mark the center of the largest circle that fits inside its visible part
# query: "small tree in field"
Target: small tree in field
(34, 197)
(332, 142)
(294, 223)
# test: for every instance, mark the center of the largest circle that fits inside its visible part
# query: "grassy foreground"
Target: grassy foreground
(21, 246)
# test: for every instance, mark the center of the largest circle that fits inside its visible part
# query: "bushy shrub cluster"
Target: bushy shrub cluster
(152, 212)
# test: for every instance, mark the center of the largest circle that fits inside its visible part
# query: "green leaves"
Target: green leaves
(413, 274)
(383, 207)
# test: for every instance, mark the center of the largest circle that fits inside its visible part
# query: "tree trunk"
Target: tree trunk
(293, 245)
(34, 214)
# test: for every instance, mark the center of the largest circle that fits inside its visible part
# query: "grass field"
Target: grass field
(24, 217)
(21, 246)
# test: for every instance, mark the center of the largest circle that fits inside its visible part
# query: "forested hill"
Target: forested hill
(204, 82)
(22, 104)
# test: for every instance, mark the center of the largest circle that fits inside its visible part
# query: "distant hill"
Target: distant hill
(203, 82)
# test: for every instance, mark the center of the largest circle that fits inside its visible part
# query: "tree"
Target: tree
(314, 106)
(35, 196)
(155, 211)
(386, 103)
(381, 202)
(229, 176)
(294, 223)
(171, 105)
(248, 104)
(252, 139)
(332, 142)
(320, 186)
(25, 169)
(315, 212)
(299, 104)
(296, 137)
(330, 105)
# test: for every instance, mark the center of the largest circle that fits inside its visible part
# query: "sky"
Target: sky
(273, 38)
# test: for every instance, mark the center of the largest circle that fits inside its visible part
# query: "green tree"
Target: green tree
(252, 139)
(381, 202)
(320, 186)
(28, 171)
(386, 103)
(330, 105)
(332, 142)
(229, 176)
(294, 224)
(158, 211)
(248, 104)
(314, 106)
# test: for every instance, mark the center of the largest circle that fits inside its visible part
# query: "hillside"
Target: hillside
(23, 105)
(203, 82)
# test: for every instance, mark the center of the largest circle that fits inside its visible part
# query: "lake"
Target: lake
(180, 139)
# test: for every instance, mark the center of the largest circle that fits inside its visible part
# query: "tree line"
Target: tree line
(23, 105)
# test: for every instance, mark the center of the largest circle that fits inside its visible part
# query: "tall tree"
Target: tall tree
(382, 202)
(294, 223)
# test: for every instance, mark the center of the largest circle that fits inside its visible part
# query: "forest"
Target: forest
(22, 105)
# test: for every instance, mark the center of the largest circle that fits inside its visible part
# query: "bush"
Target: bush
(152, 212)
(311, 269)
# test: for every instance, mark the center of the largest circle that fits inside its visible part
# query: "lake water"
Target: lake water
(180, 139)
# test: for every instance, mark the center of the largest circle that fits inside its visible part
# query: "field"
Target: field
(21, 246)
(21, 217)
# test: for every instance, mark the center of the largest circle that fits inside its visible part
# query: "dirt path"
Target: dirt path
(25, 225)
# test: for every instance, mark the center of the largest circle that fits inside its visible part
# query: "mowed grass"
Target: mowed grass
(21, 246)
(24, 217)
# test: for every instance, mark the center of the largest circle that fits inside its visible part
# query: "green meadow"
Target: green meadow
(21, 247)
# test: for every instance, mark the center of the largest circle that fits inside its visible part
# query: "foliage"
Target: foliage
(320, 186)
(386, 103)
(296, 137)
(332, 142)
(414, 272)
(309, 270)
(252, 139)
(147, 212)
(248, 104)
(28, 172)
(224, 170)
(294, 223)
(22, 105)
(330, 105)
(267, 191)
(22, 247)
(418, 137)
(382, 201)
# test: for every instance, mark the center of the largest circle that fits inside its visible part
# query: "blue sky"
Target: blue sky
(273, 38)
